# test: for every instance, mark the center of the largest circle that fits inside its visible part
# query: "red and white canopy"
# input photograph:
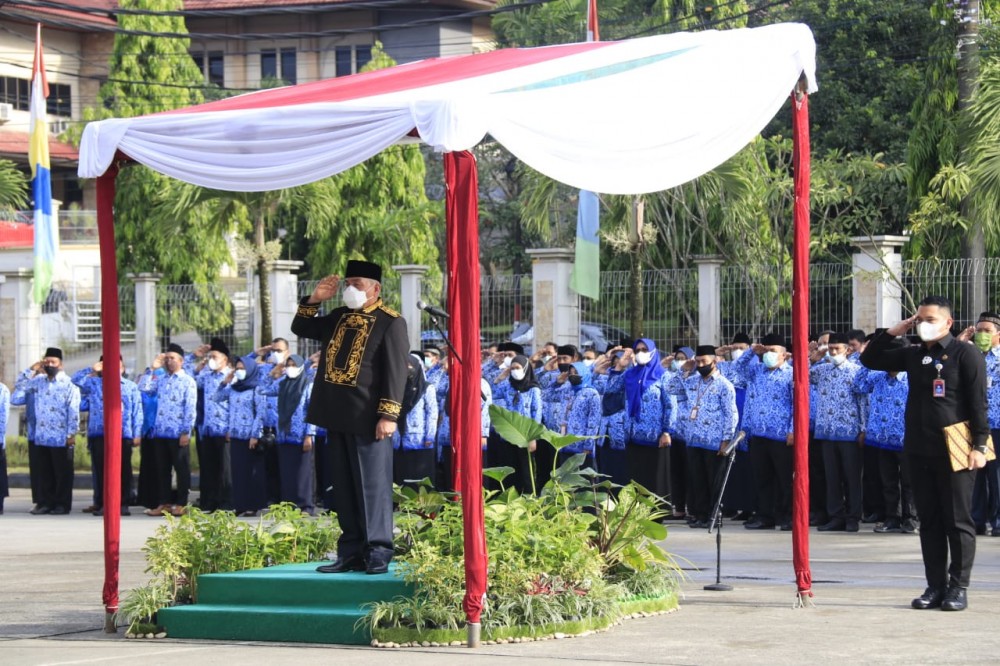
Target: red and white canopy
(616, 117)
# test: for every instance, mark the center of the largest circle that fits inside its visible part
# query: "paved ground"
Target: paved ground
(51, 574)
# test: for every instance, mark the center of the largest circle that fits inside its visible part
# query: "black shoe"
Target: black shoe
(980, 530)
(97, 512)
(758, 525)
(835, 525)
(58, 511)
(892, 525)
(996, 530)
(377, 567)
(931, 598)
(851, 526)
(343, 565)
(870, 518)
(909, 526)
(954, 599)
(818, 521)
(786, 527)
(39, 510)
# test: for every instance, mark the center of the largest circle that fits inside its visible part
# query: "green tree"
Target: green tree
(13, 188)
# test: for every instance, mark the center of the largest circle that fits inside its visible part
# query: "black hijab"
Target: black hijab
(529, 380)
(290, 394)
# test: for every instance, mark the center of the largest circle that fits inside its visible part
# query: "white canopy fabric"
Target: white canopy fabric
(616, 117)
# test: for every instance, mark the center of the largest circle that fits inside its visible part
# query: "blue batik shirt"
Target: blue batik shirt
(993, 387)
(247, 411)
(645, 430)
(216, 419)
(92, 391)
(526, 403)
(21, 397)
(671, 408)
(768, 409)
(885, 425)
(556, 398)
(4, 414)
(57, 407)
(840, 409)
(444, 421)
(715, 401)
(421, 423)
(298, 430)
(584, 419)
(267, 381)
(176, 402)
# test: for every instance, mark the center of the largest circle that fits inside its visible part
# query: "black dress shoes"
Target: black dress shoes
(931, 598)
(377, 567)
(851, 526)
(343, 565)
(39, 510)
(891, 525)
(786, 526)
(835, 525)
(58, 511)
(758, 525)
(954, 599)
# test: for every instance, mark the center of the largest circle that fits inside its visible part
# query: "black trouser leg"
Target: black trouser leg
(871, 493)
(834, 481)
(127, 474)
(272, 473)
(763, 474)
(180, 460)
(362, 489)
(782, 461)
(212, 450)
(46, 477)
(545, 456)
(678, 475)
(34, 473)
(701, 480)
(62, 466)
(817, 480)
(96, 446)
(889, 470)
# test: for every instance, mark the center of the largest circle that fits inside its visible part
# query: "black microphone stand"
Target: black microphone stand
(716, 524)
(444, 336)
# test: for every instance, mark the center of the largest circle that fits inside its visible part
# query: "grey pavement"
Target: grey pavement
(51, 573)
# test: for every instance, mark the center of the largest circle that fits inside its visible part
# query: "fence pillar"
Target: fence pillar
(146, 333)
(20, 324)
(877, 283)
(411, 277)
(556, 307)
(284, 286)
(709, 299)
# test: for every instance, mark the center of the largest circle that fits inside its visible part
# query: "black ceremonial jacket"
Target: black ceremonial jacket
(362, 366)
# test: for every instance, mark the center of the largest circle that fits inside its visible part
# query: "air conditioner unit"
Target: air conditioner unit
(6, 112)
(58, 126)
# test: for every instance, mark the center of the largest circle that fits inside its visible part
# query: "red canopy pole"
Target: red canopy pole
(462, 212)
(800, 340)
(112, 392)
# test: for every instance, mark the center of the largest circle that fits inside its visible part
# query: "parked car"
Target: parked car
(600, 336)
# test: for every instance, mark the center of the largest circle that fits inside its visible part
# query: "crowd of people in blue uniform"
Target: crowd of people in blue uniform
(660, 419)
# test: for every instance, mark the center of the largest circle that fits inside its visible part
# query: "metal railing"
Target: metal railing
(952, 278)
(191, 314)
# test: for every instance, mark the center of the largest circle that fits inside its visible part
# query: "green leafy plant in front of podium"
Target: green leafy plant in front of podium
(575, 557)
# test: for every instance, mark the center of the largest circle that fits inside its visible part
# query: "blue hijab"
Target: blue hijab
(638, 378)
(253, 375)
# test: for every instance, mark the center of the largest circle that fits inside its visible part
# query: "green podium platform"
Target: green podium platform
(288, 603)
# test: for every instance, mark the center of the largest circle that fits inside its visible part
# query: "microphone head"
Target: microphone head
(421, 305)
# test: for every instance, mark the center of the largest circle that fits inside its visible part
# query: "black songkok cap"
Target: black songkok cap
(566, 350)
(216, 344)
(175, 348)
(990, 317)
(741, 338)
(705, 350)
(516, 348)
(772, 339)
(838, 339)
(54, 352)
(363, 269)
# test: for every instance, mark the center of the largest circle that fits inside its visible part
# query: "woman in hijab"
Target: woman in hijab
(517, 389)
(294, 438)
(607, 379)
(413, 457)
(247, 404)
(676, 427)
(581, 416)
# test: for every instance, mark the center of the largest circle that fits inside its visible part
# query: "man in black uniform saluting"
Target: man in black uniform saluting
(947, 380)
(357, 396)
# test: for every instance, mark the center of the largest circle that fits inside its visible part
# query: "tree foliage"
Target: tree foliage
(13, 187)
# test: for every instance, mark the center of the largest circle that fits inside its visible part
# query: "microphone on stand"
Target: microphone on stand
(432, 310)
(734, 442)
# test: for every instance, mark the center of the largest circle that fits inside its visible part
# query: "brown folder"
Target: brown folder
(959, 439)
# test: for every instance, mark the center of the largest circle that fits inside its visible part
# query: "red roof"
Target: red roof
(15, 144)
(67, 16)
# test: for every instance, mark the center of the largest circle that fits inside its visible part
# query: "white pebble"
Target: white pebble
(559, 635)
(456, 644)
(162, 634)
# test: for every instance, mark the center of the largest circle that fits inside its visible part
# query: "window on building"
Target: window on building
(212, 66)
(350, 59)
(289, 64)
(278, 64)
(60, 100)
(16, 92)
(268, 64)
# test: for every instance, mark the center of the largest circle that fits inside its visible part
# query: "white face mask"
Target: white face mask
(214, 364)
(644, 357)
(837, 359)
(517, 373)
(277, 357)
(505, 363)
(588, 362)
(736, 354)
(771, 359)
(240, 374)
(354, 298)
(547, 358)
(293, 372)
(929, 332)
(428, 362)
(676, 365)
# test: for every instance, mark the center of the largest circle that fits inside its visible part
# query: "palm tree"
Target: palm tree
(13, 187)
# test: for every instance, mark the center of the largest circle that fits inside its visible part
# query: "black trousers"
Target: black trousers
(871, 483)
(249, 482)
(362, 494)
(55, 476)
(613, 463)
(545, 456)
(413, 465)
(649, 466)
(703, 471)
(4, 482)
(148, 488)
(324, 471)
(986, 494)
(172, 457)
(943, 500)
(296, 466)
(842, 461)
(33, 466)
(500, 453)
(677, 475)
(897, 491)
(214, 481)
(817, 481)
(772, 472)
(272, 473)
(96, 446)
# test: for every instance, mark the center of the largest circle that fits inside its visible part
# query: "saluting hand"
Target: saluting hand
(967, 334)
(902, 327)
(325, 289)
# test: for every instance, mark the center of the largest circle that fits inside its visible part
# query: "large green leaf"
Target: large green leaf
(498, 474)
(516, 429)
(562, 441)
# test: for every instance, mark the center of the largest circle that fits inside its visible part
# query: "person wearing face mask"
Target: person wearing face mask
(985, 335)
(887, 394)
(557, 392)
(740, 500)
(57, 420)
(607, 378)
(768, 424)
(444, 444)
(947, 385)
(272, 366)
(582, 416)
(243, 391)
(215, 484)
(712, 418)
(433, 368)
(414, 457)
(517, 390)
(498, 452)
(294, 437)
(675, 429)
(840, 432)
(91, 386)
(357, 397)
(176, 411)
